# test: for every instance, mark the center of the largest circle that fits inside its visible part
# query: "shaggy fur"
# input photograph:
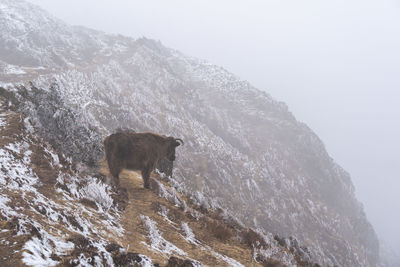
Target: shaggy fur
(138, 151)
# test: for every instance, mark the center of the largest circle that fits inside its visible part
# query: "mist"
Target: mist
(336, 64)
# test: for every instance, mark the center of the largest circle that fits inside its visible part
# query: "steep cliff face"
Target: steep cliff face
(244, 151)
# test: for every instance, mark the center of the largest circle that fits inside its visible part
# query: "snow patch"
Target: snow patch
(171, 195)
(5, 209)
(189, 235)
(164, 213)
(2, 122)
(28, 126)
(99, 193)
(6, 85)
(88, 188)
(12, 69)
(38, 252)
(231, 262)
(15, 173)
(61, 218)
(54, 156)
(157, 242)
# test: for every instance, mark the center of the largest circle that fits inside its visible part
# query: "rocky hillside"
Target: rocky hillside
(244, 152)
(57, 212)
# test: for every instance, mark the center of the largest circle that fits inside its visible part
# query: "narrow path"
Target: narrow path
(145, 202)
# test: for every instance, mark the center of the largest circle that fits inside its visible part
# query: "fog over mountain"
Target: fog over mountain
(336, 65)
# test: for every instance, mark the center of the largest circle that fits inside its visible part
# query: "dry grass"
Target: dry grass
(177, 262)
(213, 234)
(271, 263)
(216, 228)
(252, 238)
(209, 232)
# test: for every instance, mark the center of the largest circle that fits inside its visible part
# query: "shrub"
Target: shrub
(252, 238)
(218, 229)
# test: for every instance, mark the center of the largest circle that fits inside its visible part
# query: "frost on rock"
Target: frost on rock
(157, 242)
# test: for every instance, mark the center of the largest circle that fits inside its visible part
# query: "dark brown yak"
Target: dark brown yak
(138, 151)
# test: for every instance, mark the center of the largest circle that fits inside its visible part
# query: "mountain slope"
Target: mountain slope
(244, 152)
(54, 214)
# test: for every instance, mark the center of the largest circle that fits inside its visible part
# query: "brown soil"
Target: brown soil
(145, 202)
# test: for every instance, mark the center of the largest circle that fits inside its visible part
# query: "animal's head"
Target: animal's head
(172, 144)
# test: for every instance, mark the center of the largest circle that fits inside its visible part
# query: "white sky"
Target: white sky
(335, 63)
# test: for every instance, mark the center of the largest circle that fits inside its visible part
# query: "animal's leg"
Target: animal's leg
(115, 175)
(116, 180)
(146, 177)
(115, 169)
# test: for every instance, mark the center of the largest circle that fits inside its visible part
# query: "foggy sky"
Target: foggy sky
(335, 63)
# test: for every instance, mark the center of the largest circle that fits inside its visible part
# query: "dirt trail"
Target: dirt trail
(144, 202)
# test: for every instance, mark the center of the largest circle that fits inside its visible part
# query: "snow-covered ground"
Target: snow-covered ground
(157, 242)
(54, 220)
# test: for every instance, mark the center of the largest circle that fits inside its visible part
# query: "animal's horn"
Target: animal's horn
(180, 140)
